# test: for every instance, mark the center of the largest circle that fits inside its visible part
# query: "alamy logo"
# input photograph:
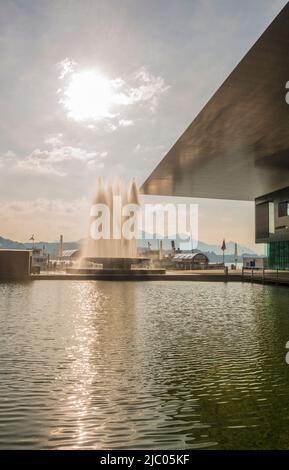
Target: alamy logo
(126, 221)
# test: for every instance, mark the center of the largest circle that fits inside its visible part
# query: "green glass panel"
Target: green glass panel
(278, 255)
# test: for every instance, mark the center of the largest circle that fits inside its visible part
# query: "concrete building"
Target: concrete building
(237, 148)
(254, 262)
(15, 264)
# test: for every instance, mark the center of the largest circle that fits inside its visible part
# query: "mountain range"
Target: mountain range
(187, 245)
(53, 247)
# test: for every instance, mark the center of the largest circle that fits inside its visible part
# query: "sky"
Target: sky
(104, 88)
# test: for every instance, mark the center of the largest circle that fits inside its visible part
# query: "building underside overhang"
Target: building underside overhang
(238, 146)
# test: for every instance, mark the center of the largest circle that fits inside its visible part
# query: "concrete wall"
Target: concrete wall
(15, 264)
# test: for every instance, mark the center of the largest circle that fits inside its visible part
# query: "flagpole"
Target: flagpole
(236, 255)
(223, 248)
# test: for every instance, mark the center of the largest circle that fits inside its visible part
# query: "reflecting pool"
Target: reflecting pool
(132, 365)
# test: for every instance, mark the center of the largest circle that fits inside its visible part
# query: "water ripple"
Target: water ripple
(103, 365)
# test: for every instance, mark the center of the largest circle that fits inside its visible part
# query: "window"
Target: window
(283, 209)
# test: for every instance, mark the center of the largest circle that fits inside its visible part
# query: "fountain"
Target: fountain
(111, 246)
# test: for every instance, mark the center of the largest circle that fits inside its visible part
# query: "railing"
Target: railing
(276, 276)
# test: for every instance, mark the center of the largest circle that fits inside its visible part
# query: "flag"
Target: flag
(223, 247)
(32, 238)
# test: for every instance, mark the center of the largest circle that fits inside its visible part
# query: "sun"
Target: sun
(88, 96)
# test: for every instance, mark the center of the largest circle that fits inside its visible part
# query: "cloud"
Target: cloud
(7, 158)
(126, 123)
(20, 218)
(56, 206)
(89, 96)
(54, 140)
(149, 89)
(65, 67)
(57, 161)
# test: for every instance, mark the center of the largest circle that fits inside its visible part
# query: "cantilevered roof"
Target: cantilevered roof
(238, 146)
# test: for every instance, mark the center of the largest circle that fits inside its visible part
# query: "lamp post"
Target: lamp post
(32, 239)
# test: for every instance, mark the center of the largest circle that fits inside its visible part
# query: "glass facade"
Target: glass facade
(278, 255)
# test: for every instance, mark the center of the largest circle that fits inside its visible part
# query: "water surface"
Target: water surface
(155, 365)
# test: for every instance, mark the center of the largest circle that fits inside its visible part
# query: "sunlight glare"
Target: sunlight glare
(88, 96)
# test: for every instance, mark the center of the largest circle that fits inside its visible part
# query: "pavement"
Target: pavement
(255, 276)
